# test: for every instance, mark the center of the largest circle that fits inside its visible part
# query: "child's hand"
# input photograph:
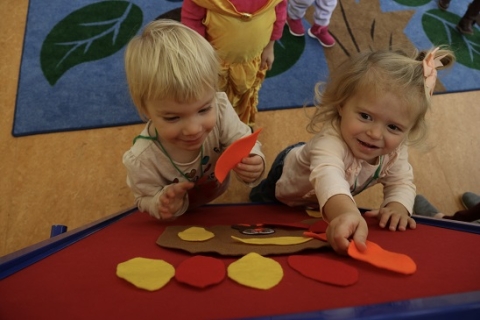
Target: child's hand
(396, 218)
(267, 56)
(172, 199)
(250, 169)
(343, 228)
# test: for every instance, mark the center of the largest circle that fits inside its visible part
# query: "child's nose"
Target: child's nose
(374, 131)
(192, 127)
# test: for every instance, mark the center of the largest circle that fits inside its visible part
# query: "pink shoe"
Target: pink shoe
(322, 35)
(296, 27)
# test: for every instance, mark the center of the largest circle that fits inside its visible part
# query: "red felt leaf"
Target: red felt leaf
(324, 270)
(201, 271)
(319, 226)
(234, 154)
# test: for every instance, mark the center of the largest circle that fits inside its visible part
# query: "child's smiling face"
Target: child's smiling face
(183, 126)
(374, 125)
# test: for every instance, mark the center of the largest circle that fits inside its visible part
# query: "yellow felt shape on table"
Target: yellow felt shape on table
(280, 241)
(314, 213)
(195, 234)
(148, 274)
(255, 271)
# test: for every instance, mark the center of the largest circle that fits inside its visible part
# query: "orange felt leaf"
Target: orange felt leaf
(382, 258)
(234, 154)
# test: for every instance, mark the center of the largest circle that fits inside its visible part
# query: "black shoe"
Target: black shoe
(443, 4)
(465, 26)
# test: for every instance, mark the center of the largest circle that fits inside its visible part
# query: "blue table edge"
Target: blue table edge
(466, 305)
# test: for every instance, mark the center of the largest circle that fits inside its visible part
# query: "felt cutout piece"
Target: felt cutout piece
(201, 271)
(382, 258)
(223, 243)
(234, 154)
(319, 227)
(324, 270)
(319, 236)
(148, 274)
(279, 241)
(314, 213)
(255, 271)
(195, 234)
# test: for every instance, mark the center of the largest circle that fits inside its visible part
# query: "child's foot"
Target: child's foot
(296, 27)
(443, 4)
(322, 35)
(424, 208)
(470, 199)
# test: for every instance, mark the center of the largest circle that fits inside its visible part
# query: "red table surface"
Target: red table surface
(79, 282)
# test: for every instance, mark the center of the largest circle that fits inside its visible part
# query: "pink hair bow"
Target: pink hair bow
(430, 65)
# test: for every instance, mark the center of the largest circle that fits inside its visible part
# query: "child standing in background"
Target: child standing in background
(370, 110)
(244, 34)
(321, 18)
(172, 74)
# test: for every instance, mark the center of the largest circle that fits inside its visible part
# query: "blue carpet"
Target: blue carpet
(72, 75)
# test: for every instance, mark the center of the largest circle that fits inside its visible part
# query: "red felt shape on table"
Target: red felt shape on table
(234, 154)
(319, 236)
(319, 227)
(201, 271)
(382, 258)
(324, 270)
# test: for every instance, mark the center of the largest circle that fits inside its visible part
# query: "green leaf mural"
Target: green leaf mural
(413, 3)
(288, 51)
(91, 33)
(439, 27)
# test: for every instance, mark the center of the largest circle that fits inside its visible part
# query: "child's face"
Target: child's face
(183, 126)
(374, 125)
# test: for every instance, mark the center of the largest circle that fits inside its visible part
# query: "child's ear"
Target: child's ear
(340, 109)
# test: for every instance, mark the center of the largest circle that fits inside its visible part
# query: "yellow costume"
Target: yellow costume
(239, 39)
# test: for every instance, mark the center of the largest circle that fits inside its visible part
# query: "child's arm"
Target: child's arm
(399, 194)
(172, 199)
(192, 16)
(268, 56)
(345, 223)
(152, 191)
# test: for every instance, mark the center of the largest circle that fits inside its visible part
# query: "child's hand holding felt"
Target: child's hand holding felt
(250, 168)
(172, 199)
(346, 223)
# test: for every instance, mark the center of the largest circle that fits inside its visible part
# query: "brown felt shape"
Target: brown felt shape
(201, 271)
(382, 258)
(324, 270)
(223, 243)
(234, 154)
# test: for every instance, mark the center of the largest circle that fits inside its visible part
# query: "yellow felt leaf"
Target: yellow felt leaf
(148, 274)
(280, 241)
(195, 234)
(314, 213)
(256, 271)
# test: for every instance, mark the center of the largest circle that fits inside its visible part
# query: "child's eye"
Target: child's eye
(170, 119)
(205, 110)
(365, 116)
(394, 128)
